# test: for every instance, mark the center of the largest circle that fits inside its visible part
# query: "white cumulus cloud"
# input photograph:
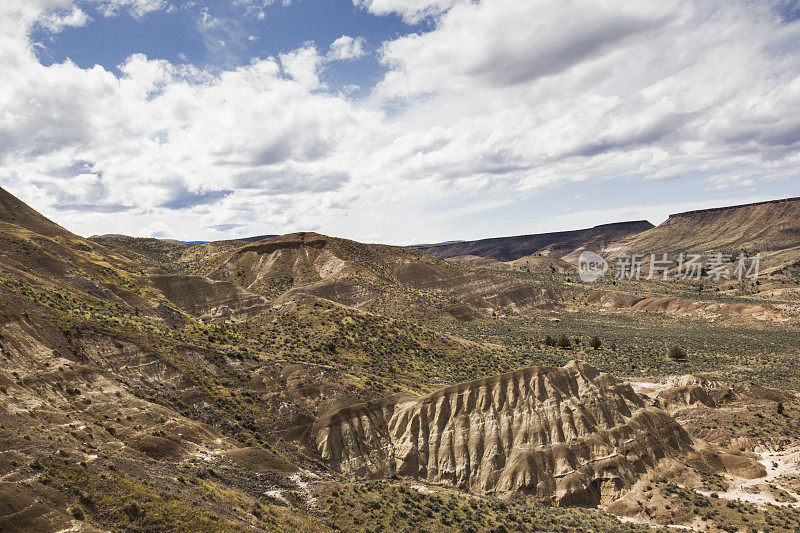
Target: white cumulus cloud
(347, 48)
(411, 10)
(495, 102)
(57, 21)
(136, 8)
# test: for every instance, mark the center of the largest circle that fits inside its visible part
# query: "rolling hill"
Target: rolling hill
(387, 279)
(169, 256)
(122, 411)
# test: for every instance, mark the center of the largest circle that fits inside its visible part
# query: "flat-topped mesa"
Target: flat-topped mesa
(570, 435)
(791, 203)
(558, 244)
(763, 227)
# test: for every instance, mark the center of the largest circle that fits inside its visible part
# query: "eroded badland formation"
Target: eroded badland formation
(311, 383)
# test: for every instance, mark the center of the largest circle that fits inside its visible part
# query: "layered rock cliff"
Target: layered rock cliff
(569, 436)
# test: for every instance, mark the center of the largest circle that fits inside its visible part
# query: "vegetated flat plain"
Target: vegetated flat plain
(726, 348)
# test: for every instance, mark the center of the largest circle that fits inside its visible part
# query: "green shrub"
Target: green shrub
(563, 342)
(676, 353)
(595, 343)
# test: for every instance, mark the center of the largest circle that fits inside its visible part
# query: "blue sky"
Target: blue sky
(394, 121)
(178, 36)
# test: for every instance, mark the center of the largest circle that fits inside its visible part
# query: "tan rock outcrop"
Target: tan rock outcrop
(570, 435)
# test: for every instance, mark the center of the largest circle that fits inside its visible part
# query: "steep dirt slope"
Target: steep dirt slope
(388, 279)
(40, 257)
(556, 244)
(109, 395)
(29, 236)
(100, 419)
(15, 211)
(570, 435)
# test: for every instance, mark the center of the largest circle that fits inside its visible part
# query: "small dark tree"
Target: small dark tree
(132, 509)
(780, 408)
(595, 343)
(563, 342)
(676, 353)
(549, 341)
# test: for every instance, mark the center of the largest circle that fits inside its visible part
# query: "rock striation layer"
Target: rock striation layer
(569, 436)
(673, 306)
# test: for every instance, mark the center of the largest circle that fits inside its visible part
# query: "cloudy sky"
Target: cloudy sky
(394, 121)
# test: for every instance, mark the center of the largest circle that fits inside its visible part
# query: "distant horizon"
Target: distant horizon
(265, 236)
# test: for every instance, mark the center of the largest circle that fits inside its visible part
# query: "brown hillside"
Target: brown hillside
(205, 298)
(39, 257)
(155, 253)
(15, 211)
